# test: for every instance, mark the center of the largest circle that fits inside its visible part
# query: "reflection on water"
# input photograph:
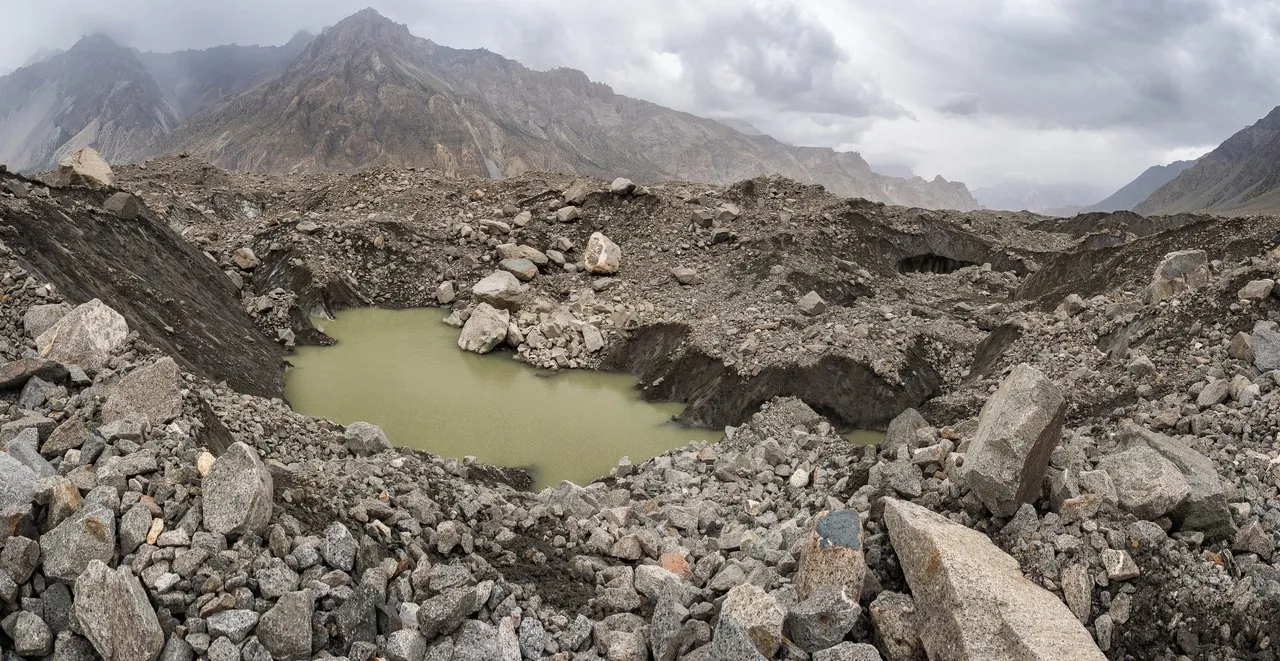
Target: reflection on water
(402, 370)
(863, 436)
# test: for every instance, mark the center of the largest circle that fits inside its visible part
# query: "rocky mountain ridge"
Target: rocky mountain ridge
(1133, 193)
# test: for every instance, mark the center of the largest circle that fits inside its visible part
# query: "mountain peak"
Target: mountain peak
(96, 43)
(360, 28)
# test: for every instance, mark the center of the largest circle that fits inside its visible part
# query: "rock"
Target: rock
(902, 432)
(307, 227)
(727, 212)
(621, 186)
(523, 218)
(591, 338)
(568, 214)
(1142, 368)
(822, 619)
(893, 621)
(84, 167)
(750, 625)
(602, 256)
(339, 547)
(1178, 272)
(364, 439)
(87, 536)
(25, 448)
(485, 329)
(1205, 508)
(30, 635)
(1119, 565)
(66, 436)
(1073, 305)
(529, 253)
(152, 393)
(533, 638)
(1253, 538)
(1077, 590)
(1266, 349)
(703, 217)
(40, 318)
(1257, 290)
(812, 304)
(832, 556)
(285, 629)
(500, 290)
(522, 269)
(237, 493)
(115, 615)
(973, 601)
(19, 373)
(577, 192)
(17, 483)
(441, 614)
(1148, 485)
(233, 624)
(20, 558)
(849, 652)
(244, 258)
(1018, 429)
(405, 645)
(495, 227)
(477, 641)
(685, 275)
(445, 293)
(1215, 392)
(1241, 347)
(123, 205)
(86, 336)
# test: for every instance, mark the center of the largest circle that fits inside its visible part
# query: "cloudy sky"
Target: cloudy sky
(1082, 92)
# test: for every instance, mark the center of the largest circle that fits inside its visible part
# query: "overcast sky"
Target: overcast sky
(981, 91)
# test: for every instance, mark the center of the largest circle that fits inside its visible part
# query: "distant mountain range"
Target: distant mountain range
(1241, 176)
(1047, 199)
(1134, 192)
(366, 92)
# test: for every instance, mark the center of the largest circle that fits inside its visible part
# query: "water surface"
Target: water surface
(402, 370)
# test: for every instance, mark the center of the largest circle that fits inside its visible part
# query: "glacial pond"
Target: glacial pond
(402, 370)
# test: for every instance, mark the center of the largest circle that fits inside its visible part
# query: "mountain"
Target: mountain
(1047, 199)
(194, 79)
(1241, 175)
(1139, 189)
(367, 92)
(97, 93)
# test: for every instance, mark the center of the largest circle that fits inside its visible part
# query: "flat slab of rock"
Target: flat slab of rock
(15, 374)
(86, 536)
(115, 615)
(237, 492)
(523, 269)
(1149, 486)
(1205, 508)
(86, 336)
(1018, 429)
(973, 596)
(153, 393)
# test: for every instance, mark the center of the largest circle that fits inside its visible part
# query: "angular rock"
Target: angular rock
(1253, 538)
(86, 336)
(823, 619)
(20, 558)
(123, 205)
(87, 536)
(685, 275)
(285, 630)
(1148, 485)
(500, 290)
(17, 483)
(244, 258)
(1215, 392)
(115, 615)
(602, 255)
(1205, 508)
(523, 269)
(365, 439)
(1178, 272)
(40, 318)
(1119, 565)
(237, 493)
(812, 304)
(25, 448)
(446, 293)
(973, 596)
(750, 625)
(568, 214)
(1257, 290)
(621, 186)
(1077, 590)
(1018, 429)
(832, 556)
(441, 614)
(405, 645)
(234, 624)
(592, 340)
(849, 652)
(893, 621)
(340, 547)
(66, 436)
(902, 432)
(84, 167)
(485, 329)
(1266, 349)
(152, 393)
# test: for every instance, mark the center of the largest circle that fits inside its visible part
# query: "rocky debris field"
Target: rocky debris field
(1091, 475)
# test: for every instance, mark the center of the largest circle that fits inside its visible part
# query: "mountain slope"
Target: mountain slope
(1241, 175)
(96, 94)
(1134, 192)
(367, 92)
(1048, 199)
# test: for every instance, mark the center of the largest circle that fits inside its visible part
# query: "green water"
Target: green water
(863, 437)
(402, 370)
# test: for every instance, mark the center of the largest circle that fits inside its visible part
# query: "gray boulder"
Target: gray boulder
(443, 613)
(832, 556)
(123, 205)
(499, 289)
(485, 329)
(902, 432)
(812, 304)
(237, 493)
(523, 269)
(1018, 429)
(365, 438)
(1178, 272)
(26, 449)
(750, 625)
(233, 624)
(1148, 485)
(84, 167)
(30, 635)
(15, 374)
(153, 393)
(339, 547)
(86, 336)
(1266, 349)
(822, 620)
(40, 318)
(115, 615)
(849, 652)
(1205, 508)
(17, 483)
(285, 630)
(973, 601)
(86, 537)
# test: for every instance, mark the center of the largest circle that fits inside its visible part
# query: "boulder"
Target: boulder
(972, 597)
(812, 304)
(592, 339)
(115, 615)
(1205, 508)
(602, 255)
(832, 556)
(30, 635)
(727, 212)
(123, 205)
(365, 439)
(621, 186)
(1266, 349)
(1178, 272)
(1018, 429)
(446, 293)
(17, 483)
(441, 614)
(87, 536)
(500, 289)
(523, 269)
(17, 373)
(577, 192)
(849, 652)
(485, 329)
(1148, 485)
(237, 493)
(902, 432)
(1257, 290)
(40, 318)
(893, 616)
(1215, 392)
(152, 393)
(750, 625)
(519, 251)
(685, 275)
(568, 214)
(84, 167)
(822, 619)
(244, 258)
(86, 336)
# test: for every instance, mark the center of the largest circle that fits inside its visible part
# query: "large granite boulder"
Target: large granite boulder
(115, 615)
(86, 336)
(153, 393)
(237, 493)
(485, 329)
(84, 167)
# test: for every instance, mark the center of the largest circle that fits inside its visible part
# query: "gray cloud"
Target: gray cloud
(987, 91)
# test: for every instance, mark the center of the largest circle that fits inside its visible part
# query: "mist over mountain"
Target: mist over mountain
(1134, 192)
